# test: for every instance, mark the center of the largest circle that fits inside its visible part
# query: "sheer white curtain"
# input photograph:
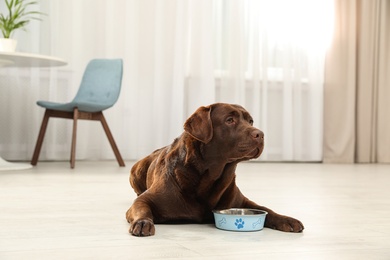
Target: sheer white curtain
(271, 60)
(178, 55)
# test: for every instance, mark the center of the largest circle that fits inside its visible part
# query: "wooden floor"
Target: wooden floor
(53, 212)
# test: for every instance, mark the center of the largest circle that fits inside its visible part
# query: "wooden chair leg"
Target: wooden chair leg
(41, 136)
(111, 140)
(74, 135)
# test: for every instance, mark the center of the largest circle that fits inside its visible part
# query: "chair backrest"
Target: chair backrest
(101, 83)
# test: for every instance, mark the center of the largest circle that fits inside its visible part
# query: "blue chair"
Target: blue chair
(99, 90)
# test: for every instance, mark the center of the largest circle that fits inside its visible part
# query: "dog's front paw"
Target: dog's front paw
(142, 228)
(283, 223)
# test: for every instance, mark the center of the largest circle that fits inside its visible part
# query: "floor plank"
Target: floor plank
(54, 212)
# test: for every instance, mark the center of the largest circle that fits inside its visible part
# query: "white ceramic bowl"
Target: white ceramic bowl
(237, 219)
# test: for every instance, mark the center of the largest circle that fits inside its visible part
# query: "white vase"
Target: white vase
(8, 45)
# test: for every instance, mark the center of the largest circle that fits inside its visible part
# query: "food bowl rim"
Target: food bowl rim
(221, 211)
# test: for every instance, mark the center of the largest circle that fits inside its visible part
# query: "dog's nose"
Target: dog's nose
(257, 134)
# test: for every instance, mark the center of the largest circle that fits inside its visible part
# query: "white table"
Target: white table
(20, 59)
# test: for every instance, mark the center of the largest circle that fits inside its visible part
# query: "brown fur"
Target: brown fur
(194, 175)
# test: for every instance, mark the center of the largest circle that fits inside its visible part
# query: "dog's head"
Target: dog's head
(226, 129)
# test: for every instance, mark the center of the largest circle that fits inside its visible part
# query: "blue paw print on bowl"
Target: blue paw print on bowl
(239, 223)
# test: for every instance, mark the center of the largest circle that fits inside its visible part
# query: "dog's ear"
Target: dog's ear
(199, 125)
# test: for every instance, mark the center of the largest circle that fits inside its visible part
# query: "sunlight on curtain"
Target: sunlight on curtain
(270, 59)
(178, 55)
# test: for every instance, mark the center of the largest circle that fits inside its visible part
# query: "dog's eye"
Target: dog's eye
(230, 120)
(251, 121)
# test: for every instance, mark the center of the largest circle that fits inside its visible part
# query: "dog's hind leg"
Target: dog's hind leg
(139, 173)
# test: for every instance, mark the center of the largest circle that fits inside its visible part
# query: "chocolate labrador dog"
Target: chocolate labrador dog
(185, 181)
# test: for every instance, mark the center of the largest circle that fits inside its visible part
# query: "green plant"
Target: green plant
(18, 16)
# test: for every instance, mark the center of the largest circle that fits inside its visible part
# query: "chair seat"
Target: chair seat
(69, 107)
